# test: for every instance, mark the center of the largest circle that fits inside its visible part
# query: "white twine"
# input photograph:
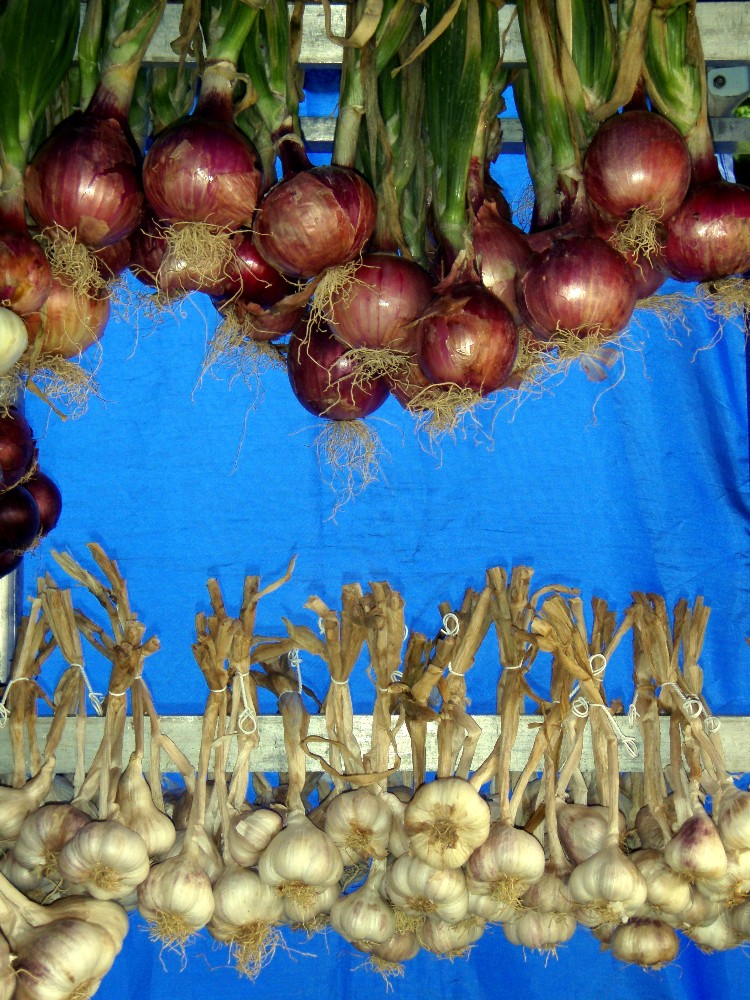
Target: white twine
(450, 624)
(95, 697)
(321, 627)
(711, 724)
(340, 683)
(295, 660)
(456, 673)
(4, 710)
(601, 660)
(217, 690)
(633, 715)
(513, 666)
(406, 632)
(627, 741)
(397, 676)
(248, 714)
(691, 706)
(580, 707)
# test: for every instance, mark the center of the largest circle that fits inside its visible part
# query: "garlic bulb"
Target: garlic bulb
(307, 909)
(63, 959)
(7, 974)
(668, 891)
(649, 943)
(400, 947)
(696, 850)
(739, 918)
(703, 910)
(451, 940)
(301, 862)
(17, 803)
(246, 913)
(607, 887)
(108, 916)
(176, 897)
(43, 835)
(539, 931)
(364, 915)
(30, 881)
(650, 833)
(249, 834)
(14, 339)
(732, 817)
(446, 820)
(208, 855)
(509, 861)
(359, 824)
(105, 859)
(138, 812)
(420, 890)
(583, 830)
(485, 904)
(398, 839)
(550, 894)
(734, 885)
(719, 935)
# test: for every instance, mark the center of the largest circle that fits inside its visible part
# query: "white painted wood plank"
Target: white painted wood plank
(269, 757)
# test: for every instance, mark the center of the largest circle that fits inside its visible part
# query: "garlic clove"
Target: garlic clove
(607, 887)
(208, 854)
(250, 833)
(138, 812)
(364, 915)
(17, 803)
(719, 935)
(583, 830)
(668, 891)
(420, 890)
(509, 860)
(301, 854)
(304, 905)
(733, 818)
(445, 821)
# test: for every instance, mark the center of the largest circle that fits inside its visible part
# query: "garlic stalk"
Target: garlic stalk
(301, 862)
(17, 803)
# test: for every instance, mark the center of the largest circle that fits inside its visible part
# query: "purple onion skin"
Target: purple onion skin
(388, 293)
(114, 259)
(709, 236)
(9, 560)
(650, 272)
(17, 447)
(315, 219)
(322, 378)
(467, 337)
(19, 519)
(87, 177)
(199, 170)
(148, 244)
(637, 159)
(264, 323)
(25, 276)
(502, 250)
(48, 500)
(253, 278)
(580, 284)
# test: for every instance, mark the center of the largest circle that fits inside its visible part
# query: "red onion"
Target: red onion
(252, 278)
(315, 219)
(9, 560)
(86, 178)
(48, 500)
(19, 519)
(68, 323)
(148, 244)
(578, 285)
(649, 271)
(380, 300)
(113, 259)
(637, 159)
(709, 236)
(324, 377)
(260, 323)
(202, 169)
(501, 250)
(467, 337)
(409, 383)
(25, 276)
(17, 447)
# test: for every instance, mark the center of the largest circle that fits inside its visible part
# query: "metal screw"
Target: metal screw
(719, 81)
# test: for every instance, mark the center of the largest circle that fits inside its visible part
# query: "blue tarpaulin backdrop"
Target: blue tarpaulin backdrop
(639, 482)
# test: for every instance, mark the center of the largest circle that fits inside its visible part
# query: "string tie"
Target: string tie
(4, 710)
(217, 690)
(597, 664)
(451, 624)
(95, 697)
(247, 722)
(340, 683)
(627, 741)
(295, 660)
(456, 673)
(406, 632)
(633, 715)
(580, 707)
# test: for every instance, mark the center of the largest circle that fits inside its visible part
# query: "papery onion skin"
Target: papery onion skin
(315, 219)
(709, 236)
(579, 285)
(199, 170)
(148, 244)
(260, 323)
(383, 295)
(323, 378)
(252, 277)
(86, 178)
(501, 250)
(19, 519)
(468, 337)
(25, 276)
(17, 447)
(637, 159)
(68, 323)
(650, 272)
(112, 260)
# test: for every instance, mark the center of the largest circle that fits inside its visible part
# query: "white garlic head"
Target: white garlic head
(359, 824)
(445, 821)
(250, 832)
(421, 890)
(105, 859)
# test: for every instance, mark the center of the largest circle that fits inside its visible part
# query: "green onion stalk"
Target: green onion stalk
(675, 75)
(391, 150)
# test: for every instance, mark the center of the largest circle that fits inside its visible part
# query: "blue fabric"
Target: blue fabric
(637, 482)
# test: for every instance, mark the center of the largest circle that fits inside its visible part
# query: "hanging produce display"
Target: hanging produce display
(393, 858)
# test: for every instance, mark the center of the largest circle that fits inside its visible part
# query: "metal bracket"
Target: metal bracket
(728, 86)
